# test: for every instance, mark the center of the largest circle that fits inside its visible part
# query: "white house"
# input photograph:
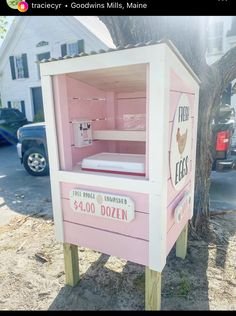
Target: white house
(222, 37)
(31, 39)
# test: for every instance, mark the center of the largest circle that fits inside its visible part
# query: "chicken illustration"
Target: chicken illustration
(181, 140)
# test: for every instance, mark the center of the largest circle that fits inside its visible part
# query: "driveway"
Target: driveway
(25, 194)
(223, 190)
(19, 191)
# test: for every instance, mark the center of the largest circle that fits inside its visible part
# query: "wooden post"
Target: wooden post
(152, 290)
(181, 243)
(71, 261)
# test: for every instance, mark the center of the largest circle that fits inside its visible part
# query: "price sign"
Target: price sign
(114, 207)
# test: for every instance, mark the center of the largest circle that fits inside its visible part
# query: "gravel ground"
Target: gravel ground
(32, 272)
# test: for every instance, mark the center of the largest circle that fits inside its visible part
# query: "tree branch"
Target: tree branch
(226, 67)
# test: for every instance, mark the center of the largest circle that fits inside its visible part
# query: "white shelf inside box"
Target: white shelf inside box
(77, 169)
(117, 164)
(120, 135)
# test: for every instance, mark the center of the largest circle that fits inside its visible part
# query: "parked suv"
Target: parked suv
(10, 121)
(32, 149)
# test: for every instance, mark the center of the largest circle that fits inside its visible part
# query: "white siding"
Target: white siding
(228, 42)
(30, 31)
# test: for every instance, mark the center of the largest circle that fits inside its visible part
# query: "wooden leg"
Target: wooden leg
(71, 261)
(181, 243)
(152, 290)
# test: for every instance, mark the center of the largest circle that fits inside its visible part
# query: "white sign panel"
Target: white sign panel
(181, 141)
(114, 207)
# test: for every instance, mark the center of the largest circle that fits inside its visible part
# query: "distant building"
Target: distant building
(222, 37)
(29, 40)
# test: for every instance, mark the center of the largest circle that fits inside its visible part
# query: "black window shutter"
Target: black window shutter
(22, 103)
(9, 104)
(80, 46)
(12, 64)
(25, 66)
(63, 50)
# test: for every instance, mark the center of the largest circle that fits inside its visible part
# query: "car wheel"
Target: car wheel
(35, 162)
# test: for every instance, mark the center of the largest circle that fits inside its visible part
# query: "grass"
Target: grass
(184, 286)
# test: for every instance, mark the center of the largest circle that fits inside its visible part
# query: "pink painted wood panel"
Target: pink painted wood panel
(175, 231)
(130, 103)
(135, 250)
(62, 119)
(125, 95)
(138, 228)
(111, 109)
(141, 200)
(130, 106)
(173, 205)
(83, 105)
(177, 87)
(81, 109)
(131, 147)
(106, 112)
(174, 99)
(80, 89)
(178, 84)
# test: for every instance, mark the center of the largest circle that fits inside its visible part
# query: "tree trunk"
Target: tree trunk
(191, 43)
(209, 98)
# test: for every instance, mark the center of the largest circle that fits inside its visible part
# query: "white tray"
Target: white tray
(133, 164)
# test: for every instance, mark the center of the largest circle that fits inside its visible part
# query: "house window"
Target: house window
(72, 48)
(42, 43)
(215, 38)
(19, 66)
(17, 104)
(41, 57)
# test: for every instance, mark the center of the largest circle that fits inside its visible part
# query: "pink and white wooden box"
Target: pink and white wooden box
(140, 101)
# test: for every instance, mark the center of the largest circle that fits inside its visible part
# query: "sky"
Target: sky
(91, 22)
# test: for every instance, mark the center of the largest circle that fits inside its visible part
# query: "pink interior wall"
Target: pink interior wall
(88, 103)
(105, 113)
(129, 103)
(62, 121)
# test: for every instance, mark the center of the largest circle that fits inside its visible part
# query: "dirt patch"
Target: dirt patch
(32, 272)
